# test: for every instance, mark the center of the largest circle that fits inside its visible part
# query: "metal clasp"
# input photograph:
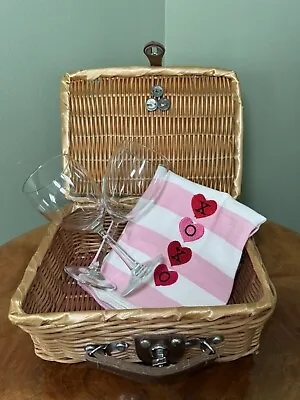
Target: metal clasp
(159, 354)
(159, 350)
(156, 350)
(108, 349)
(205, 344)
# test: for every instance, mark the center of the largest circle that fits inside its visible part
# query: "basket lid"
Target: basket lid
(195, 120)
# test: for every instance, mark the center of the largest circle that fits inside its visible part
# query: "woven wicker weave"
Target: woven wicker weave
(202, 135)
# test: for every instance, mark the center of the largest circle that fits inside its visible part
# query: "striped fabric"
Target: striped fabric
(200, 232)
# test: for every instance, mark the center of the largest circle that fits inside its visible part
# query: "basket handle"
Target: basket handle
(154, 51)
(154, 351)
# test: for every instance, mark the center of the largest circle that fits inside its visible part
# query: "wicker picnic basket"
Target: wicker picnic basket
(201, 133)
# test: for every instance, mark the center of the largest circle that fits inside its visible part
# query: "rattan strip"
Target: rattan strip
(239, 340)
(198, 133)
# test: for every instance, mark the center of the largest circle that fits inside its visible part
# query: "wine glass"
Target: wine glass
(133, 181)
(64, 192)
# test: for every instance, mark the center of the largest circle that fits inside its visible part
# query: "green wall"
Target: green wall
(39, 41)
(260, 40)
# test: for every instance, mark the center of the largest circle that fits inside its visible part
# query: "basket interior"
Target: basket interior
(52, 290)
(200, 134)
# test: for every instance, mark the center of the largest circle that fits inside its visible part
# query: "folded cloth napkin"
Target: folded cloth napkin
(201, 233)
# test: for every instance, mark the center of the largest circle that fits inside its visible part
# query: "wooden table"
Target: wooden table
(273, 374)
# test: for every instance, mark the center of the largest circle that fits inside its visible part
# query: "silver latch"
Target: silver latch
(205, 344)
(156, 350)
(159, 354)
(107, 349)
(159, 350)
(154, 49)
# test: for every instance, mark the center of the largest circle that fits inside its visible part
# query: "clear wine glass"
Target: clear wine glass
(64, 192)
(133, 181)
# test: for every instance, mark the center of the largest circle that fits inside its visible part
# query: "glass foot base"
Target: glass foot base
(88, 276)
(141, 273)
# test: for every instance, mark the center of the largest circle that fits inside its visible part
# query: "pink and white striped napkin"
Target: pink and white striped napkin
(201, 233)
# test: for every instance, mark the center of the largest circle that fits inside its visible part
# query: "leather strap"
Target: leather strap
(154, 51)
(141, 372)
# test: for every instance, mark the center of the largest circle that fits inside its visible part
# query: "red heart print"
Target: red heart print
(164, 277)
(178, 255)
(203, 208)
(190, 231)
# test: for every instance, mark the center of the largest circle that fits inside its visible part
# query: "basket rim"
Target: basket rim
(210, 313)
(138, 71)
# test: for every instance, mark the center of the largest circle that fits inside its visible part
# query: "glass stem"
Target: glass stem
(94, 265)
(128, 260)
